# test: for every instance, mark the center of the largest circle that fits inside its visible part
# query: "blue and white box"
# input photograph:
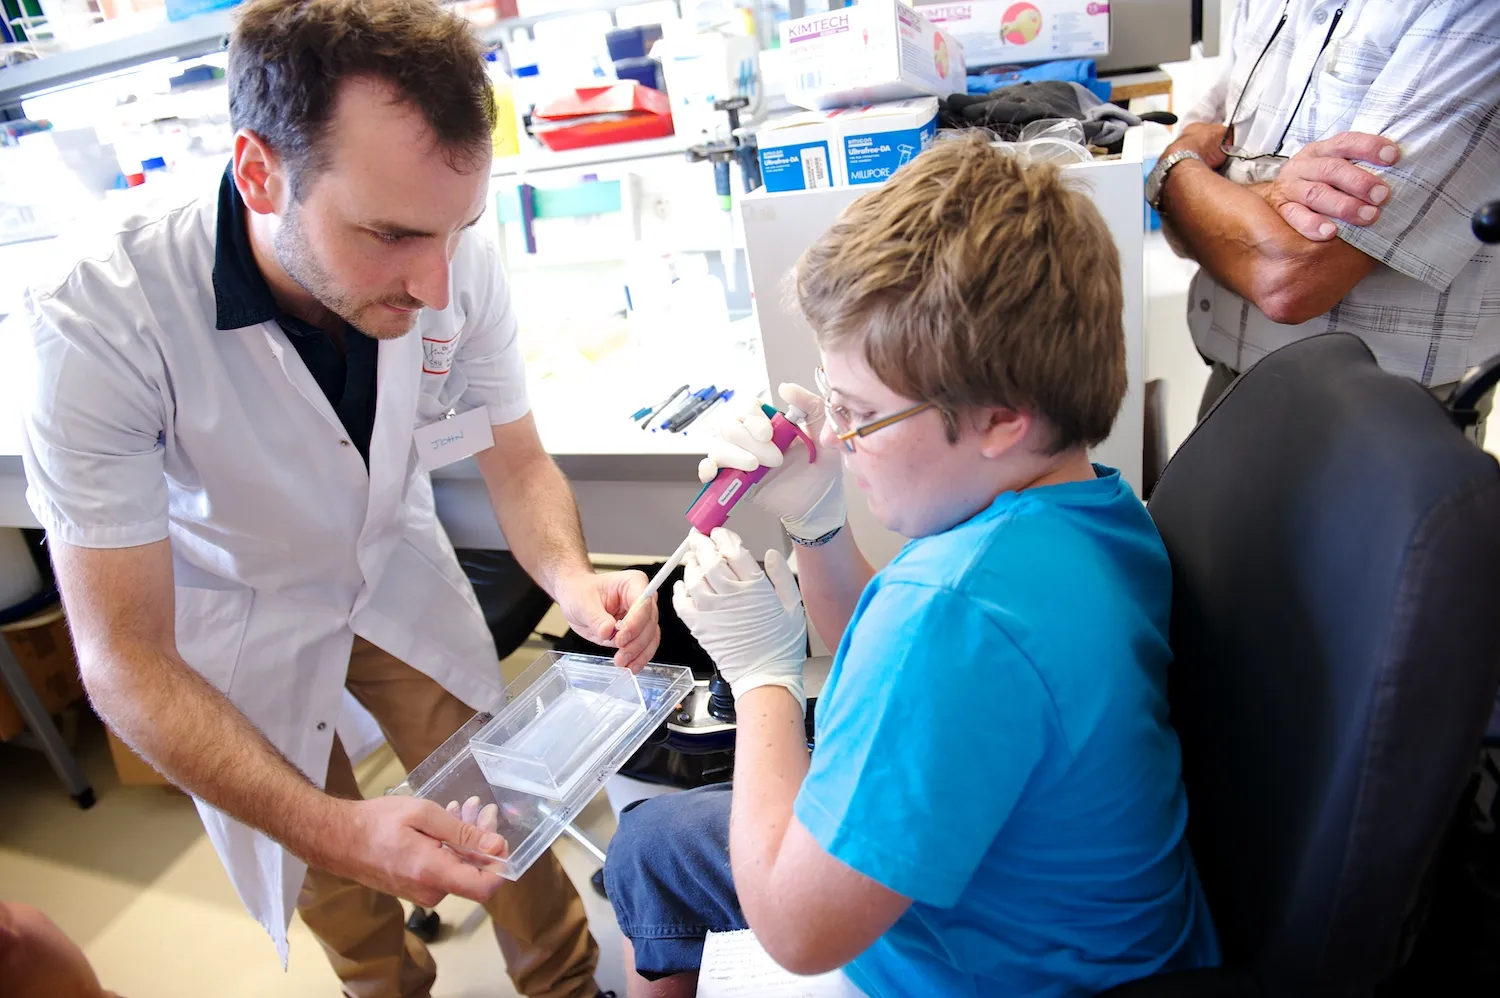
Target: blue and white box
(799, 152)
(877, 140)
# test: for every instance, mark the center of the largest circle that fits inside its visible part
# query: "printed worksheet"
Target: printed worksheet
(735, 966)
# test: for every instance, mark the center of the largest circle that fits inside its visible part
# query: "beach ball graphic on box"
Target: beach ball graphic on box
(1021, 24)
(940, 54)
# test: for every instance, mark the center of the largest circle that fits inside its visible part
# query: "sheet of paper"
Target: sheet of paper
(735, 966)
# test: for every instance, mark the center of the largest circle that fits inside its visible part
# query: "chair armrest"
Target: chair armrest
(1212, 983)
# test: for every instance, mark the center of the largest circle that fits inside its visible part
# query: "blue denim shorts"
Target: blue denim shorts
(667, 876)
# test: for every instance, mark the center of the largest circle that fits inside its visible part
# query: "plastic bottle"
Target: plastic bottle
(505, 135)
(526, 86)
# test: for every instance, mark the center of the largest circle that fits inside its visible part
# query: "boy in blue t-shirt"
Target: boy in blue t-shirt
(995, 803)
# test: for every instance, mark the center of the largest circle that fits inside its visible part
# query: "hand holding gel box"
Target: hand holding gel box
(878, 140)
(878, 50)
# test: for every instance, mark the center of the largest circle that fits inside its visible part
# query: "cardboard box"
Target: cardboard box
(701, 69)
(1012, 31)
(876, 51)
(844, 146)
(798, 152)
(44, 650)
(876, 141)
(132, 769)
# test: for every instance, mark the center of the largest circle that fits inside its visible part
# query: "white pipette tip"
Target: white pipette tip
(661, 575)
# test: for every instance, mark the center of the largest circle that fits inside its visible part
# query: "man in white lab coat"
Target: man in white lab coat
(229, 401)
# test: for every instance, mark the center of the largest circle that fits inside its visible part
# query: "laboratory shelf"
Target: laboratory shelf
(195, 36)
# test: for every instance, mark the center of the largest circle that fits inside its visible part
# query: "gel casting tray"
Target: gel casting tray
(570, 722)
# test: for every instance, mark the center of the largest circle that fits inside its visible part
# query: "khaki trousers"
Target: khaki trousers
(539, 920)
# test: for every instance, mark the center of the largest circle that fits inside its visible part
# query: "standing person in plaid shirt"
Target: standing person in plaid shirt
(1327, 180)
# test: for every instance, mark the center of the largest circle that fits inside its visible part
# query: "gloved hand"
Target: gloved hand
(750, 622)
(808, 497)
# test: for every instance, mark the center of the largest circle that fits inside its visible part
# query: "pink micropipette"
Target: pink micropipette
(711, 508)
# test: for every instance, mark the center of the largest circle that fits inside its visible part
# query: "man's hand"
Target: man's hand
(1322, 183)
(1203, 138)
(398, 845)
(601, 607)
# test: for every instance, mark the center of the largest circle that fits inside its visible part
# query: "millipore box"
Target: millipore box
(876, 141)
(1011, 31)
(799, 152)
(845, 146)
(878, 50)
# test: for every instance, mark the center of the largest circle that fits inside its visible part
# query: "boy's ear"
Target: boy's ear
(1000, 430)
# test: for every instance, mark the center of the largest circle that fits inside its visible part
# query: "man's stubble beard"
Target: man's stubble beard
(303, 267)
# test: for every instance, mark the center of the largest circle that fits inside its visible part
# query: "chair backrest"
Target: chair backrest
(1335, 546)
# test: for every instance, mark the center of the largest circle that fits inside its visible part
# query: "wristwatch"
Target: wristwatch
(1157, 178)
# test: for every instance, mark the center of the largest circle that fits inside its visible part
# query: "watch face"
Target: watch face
(1158, 174)
(1153, 184)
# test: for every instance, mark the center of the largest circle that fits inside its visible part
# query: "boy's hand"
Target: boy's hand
(751, 625)
(808, 496)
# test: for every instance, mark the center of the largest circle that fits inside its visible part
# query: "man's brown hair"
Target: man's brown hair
(287, 59)
(968, 280)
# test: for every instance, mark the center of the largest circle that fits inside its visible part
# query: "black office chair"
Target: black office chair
(1335, 545)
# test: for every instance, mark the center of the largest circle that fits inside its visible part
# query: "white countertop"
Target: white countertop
(586, 413)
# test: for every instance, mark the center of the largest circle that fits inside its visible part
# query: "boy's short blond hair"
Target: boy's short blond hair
(968, 280)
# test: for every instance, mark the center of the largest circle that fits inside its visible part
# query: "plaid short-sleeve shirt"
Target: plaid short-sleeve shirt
(1424, 74)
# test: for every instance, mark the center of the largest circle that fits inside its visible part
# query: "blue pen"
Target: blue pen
(685, 421)
(692, 400)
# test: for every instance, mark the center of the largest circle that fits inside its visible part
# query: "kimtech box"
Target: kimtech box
(876, 51)
(1011, 31)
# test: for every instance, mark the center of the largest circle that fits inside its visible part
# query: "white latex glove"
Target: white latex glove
(752, 626)
(809, 497)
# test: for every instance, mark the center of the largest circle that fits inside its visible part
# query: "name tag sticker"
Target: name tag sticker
(454, 438)
(437, 355)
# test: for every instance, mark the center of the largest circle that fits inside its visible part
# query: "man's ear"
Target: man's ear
(259, 174)
(1001, 429)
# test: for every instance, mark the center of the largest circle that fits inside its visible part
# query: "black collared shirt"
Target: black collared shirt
(242, 298)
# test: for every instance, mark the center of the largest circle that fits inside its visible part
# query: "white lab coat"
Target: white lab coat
(147, 422)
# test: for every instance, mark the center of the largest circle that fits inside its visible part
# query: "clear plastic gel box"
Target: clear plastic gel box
(569, 723)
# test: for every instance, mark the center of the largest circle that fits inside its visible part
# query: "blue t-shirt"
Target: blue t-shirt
(993, 744)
